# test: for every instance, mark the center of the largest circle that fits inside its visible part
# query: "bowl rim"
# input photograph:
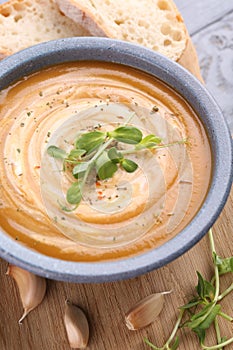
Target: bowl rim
(103, 49)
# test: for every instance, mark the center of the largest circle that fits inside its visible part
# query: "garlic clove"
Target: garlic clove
(76, 325)
(145, 311)
(32, 288)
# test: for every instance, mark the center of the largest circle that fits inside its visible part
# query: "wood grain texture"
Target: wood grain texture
(200, 14)
(106, 304)
(214, 45)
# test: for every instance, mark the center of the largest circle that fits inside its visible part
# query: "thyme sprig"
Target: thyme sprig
(99, 150)
(204, 309)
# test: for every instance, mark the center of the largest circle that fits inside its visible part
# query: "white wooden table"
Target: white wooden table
(210, 24)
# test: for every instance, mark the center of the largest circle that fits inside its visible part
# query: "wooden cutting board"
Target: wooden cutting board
(106, 304)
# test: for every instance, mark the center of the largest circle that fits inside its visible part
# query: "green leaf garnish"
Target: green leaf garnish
(175, 344)
(201, 286)
(105, 167)
(95, 150)
(80, 168)
(74, 194)
(224, 265)
(56, 152)
(90, 140)
(201, 333)
(126, 134)
(204, 309)
(199, 317)
(204, 288)
(149, 141)
(114, 155)
(205, 324)
(129, 165)
(76, 154)
(205, 317)
(191, 304)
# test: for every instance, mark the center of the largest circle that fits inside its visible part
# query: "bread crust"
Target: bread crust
(189, 60)
(4, 54)
(90, 20)
(94, 21)
(81, 15)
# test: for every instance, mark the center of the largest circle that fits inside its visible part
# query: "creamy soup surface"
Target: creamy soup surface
(128, 214)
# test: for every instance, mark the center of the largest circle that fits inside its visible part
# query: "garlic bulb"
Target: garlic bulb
(76, 325)
(145, 311)
(32, 288)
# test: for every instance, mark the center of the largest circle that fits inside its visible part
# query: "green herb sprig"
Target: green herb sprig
(204, 309)
(98, 150)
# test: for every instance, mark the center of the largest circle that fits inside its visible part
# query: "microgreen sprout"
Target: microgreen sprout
(98, 150)
(204, 309)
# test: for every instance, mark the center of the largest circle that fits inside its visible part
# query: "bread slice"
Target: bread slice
(156, 24)
(24, 23)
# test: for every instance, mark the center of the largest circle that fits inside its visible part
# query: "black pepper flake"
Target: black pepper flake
(29, 113)
(90, 201)
(48, 134)
(22, 125)
(18, 150)
(155, 109)
(40, 93)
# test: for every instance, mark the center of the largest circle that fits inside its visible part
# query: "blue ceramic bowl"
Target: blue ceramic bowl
(101, 49)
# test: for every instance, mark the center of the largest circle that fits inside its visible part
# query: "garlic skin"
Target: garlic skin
(32, 288)
(145, 311)
(76, 325)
